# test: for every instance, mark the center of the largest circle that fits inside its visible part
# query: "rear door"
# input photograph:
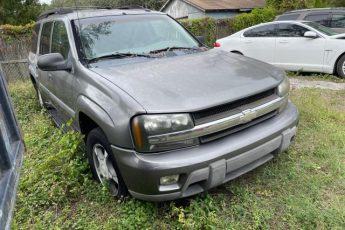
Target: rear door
(295, 52)
(260, 42)
(45, 79)
(11, 155)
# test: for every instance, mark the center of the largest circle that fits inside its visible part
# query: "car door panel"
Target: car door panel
(259, 43)
(63, 80)
(45, 83)
(295, 52)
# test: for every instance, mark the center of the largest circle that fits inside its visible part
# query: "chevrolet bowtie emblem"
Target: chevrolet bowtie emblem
(248, 115)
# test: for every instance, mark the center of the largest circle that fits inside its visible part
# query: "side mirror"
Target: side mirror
(311, 34)
(201, 39)
(53, 62)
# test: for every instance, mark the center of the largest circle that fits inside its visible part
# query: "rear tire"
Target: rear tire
(341, 67)
(103, 164)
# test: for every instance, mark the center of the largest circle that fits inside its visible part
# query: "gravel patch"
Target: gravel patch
(299, 83)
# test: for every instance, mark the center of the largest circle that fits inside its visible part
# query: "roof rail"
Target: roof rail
(67, 10)
(131, 7)
(314, 9)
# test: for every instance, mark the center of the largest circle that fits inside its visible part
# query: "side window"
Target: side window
(60, 42)
(34, 38)
(261, 31)
(45, 38)
(322, 19)
(338, 21)
(288, 17)
(290, 30)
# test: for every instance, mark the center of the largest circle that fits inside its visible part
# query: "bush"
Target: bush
(16, 30)
(257, 16)
(202, 27)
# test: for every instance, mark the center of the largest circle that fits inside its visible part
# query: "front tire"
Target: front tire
(103, 164)
(341, 67)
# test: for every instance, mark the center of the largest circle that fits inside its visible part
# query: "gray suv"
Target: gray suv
(163, 116)
(330, 17)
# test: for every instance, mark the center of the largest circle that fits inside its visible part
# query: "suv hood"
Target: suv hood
(190, 83)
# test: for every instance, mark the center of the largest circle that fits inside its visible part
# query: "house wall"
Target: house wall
(180, 9)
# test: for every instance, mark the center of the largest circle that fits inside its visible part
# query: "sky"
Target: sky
(45, 1)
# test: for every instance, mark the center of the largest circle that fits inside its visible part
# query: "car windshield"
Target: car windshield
(131, 34)
(325, 30)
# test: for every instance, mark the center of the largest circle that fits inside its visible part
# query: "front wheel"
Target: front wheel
(341, 67)
(103, 165)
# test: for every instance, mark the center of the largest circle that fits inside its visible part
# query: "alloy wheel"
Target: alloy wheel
(105, 169)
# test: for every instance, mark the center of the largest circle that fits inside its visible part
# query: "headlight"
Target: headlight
(284, 87)
(145, 126)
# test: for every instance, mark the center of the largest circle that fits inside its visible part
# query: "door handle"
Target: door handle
(283, 42)
(248, 42)
(50, 76)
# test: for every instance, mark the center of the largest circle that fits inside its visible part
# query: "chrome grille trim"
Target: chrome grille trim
(243, 117)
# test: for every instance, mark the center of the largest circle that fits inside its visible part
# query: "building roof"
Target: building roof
(221, 5)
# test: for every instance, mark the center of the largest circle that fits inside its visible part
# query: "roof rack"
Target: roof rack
(314, 9)
(131, 7)
(67, 10)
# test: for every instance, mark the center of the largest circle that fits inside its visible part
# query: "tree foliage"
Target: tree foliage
(19, 11)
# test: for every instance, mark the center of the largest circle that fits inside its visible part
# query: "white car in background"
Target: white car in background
(292, 45)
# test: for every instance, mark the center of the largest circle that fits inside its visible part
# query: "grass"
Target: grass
(316, 77)
(303, 188)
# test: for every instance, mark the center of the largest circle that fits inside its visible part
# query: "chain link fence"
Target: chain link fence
(13, 57)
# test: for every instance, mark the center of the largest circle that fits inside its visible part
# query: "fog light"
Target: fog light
(168, 180)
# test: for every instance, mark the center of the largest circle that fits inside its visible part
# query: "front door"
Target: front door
(295, 52)
(63, 80)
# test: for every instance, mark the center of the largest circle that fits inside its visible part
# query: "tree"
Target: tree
(19, 11)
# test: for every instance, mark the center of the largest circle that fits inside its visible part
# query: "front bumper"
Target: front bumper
(208, 165)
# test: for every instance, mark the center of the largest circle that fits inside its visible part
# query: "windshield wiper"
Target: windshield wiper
(167, 49)
(117, 56)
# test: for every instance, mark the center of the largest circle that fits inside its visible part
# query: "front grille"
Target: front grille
(227, 132)
(222, 111)
(233, 108)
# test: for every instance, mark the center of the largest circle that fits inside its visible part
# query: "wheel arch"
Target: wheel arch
(89, 115)
(336, 63)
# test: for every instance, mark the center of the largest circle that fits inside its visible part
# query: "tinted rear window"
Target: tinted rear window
(261, 31)
(323, 19)
(338, 21)
(288, 17)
